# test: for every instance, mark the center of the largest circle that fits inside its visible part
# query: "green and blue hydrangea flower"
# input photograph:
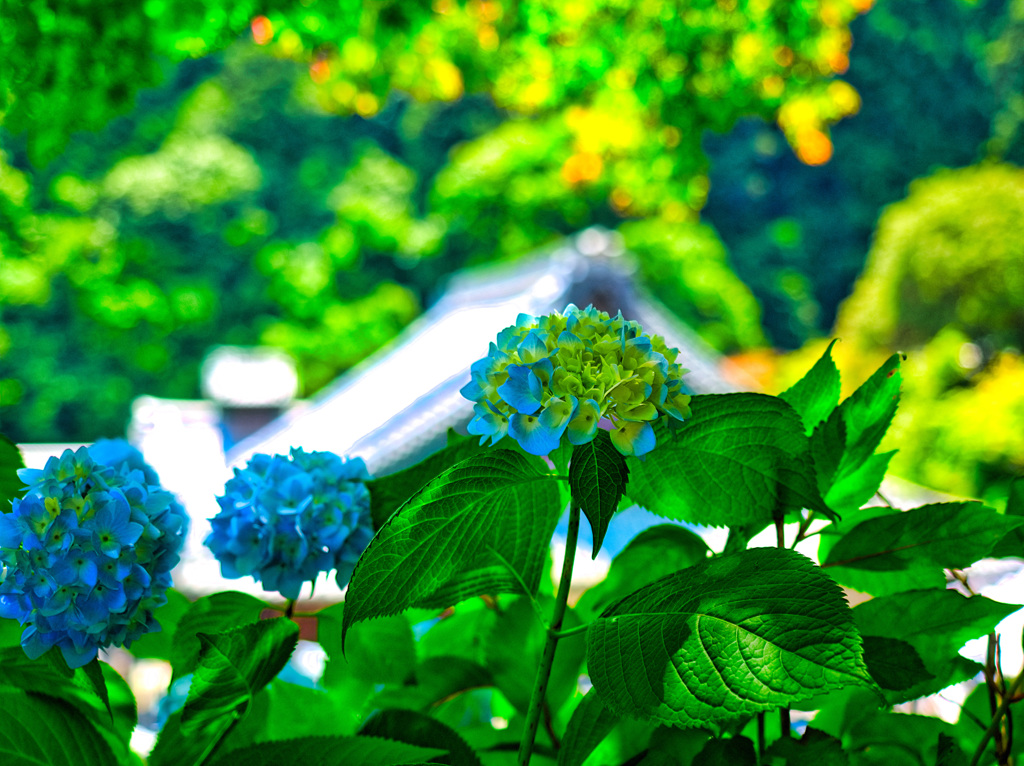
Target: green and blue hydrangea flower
(87, 553)
(285, 519)
(559, 376)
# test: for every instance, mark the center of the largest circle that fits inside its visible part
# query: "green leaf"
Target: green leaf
(10, 485)
(436, 679)
(173, 748)
(597, 478)
(725, 638)
(739, 459)
(210, 614)
(462, 632)
(843, 445)
(735, 751)
(418, 729)
(283, 710)
(654, 553)
(894, 664)
(515, 647)
(859, 485)
(949, 752)
(351, 751)
(122, 704)
(233, 666)
(590, 723)
(388, 493)
(816, 394)
(382, 651)
(814, 748)
(1012, 543)
(159, 645)
(46, 731)
(936, 623)
(895, 739)
(458, 537)
(941, 535)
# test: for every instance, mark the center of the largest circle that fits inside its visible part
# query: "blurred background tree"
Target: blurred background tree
(304, 173)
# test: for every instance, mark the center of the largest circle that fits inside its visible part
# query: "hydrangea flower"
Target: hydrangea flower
(561, 374)
(283, 520)
(87, 553)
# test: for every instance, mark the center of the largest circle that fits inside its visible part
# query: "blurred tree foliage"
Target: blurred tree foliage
(242, 202)
(941, 84)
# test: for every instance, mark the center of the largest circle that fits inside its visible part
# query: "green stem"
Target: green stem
(540, 684)
(998, 718)
(760, 736)
(780, 539)
(573, 631)
(289, 609)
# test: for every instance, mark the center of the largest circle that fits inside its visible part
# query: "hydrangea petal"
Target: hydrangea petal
(634, 438)
(522, 390)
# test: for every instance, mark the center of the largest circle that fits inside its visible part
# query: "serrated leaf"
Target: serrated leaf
(941, 535)
(10, 461)
(843, 445)
(936, 623)
(590, 723)
(816, 394)
(382, 651)
(654, 553)
(597, 478)
(462, 633)
(457, 537)
(867, 414)
(210, 614)
(421, 730)
(814, 748)
(734, 751)
(725, 638)
(46, 731)
(232, 667)
(737, 460)
(1012, 543)
(351, 751)
(388, 493)
(894, 664)
(159, 645)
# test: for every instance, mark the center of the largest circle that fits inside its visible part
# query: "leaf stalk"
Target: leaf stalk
(540, 685)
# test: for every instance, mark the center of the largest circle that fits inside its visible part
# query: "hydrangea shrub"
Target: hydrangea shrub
(284, 519)
(560, 375)
(87, 553)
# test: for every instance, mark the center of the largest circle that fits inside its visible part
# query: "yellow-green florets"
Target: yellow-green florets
(562, 373)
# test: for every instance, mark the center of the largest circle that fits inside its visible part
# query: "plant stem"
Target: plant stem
(998, 717)
(760, 736)
(289, 609)
(993, 700)
(780, 538)
(540, 684)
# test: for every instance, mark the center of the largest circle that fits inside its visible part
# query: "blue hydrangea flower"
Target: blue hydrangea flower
(283, 520)
(557, 376)
(87, 553)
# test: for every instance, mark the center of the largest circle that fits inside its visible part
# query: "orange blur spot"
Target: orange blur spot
(582, 167)
(813, 147)
(783, 56)
(262, 30)
(319, 71)
(839, 62)
(862, 6)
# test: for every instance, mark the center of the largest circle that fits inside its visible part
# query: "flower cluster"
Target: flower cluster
(87, 553)
(283, 520)
(563, 373)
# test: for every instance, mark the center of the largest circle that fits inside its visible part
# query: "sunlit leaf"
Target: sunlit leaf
(210, 614)
(590, 723)
(421, 730)
(739, 459)
(597, 477)
(482, 526)
(725, 638)
(816, 394)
